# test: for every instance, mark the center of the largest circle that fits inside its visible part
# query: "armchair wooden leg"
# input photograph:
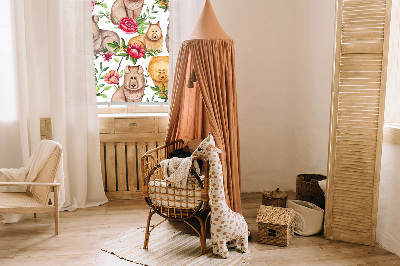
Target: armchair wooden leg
(56, 212)
(147, 235)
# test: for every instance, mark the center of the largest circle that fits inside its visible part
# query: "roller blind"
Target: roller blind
(358, 97)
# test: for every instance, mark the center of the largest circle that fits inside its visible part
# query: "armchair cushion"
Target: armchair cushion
(17, 199)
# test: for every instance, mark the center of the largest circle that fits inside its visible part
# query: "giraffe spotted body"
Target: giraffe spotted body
(226, 225)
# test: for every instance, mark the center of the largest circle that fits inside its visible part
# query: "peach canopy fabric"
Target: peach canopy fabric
(211, 106)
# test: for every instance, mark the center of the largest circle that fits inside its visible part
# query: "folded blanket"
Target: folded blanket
(176, 170)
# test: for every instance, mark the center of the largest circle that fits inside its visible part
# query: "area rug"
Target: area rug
(168, 247)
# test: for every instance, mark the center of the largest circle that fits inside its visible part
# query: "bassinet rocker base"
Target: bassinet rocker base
(201, 217)
(162, 199)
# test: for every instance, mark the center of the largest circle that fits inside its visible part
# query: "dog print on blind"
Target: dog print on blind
(131, 34)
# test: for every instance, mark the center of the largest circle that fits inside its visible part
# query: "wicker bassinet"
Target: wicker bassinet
(175, 203)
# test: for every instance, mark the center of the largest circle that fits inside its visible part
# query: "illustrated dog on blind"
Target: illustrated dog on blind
(126, 9)
(152, 39)
(102, 37)
(133, 88)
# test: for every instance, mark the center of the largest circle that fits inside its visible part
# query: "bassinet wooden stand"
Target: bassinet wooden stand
(174, 204)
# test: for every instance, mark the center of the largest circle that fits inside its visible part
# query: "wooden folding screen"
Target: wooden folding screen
(358, 96)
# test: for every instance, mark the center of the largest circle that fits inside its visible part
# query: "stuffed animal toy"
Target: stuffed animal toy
(226, 225)
(190, 145)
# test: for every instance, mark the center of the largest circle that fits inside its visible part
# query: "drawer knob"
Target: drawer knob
(133, 124)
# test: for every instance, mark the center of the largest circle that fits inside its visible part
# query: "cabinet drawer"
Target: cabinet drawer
(162, 124)
(106, 125)
(134, 125)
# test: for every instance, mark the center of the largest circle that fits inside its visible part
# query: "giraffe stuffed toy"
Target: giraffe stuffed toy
(226, 225)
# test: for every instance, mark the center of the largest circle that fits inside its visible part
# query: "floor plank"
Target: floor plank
(82, 233)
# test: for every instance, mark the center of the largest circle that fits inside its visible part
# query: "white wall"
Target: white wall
(284, 56)
(264, 35)
(388, 227)
(314, 60)
(284, 52)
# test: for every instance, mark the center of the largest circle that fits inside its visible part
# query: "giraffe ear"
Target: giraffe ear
(216, 149)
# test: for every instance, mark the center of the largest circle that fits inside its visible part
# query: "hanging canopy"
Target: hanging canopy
(206, 64)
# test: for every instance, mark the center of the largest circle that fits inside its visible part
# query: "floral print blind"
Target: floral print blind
(131, 57)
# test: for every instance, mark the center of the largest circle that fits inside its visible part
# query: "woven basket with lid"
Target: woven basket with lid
(274, 198)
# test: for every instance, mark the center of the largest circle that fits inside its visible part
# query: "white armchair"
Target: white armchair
(36, 197)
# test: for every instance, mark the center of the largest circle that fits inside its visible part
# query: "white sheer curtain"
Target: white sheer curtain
(54, 76)
(182, 19)
(10, 144)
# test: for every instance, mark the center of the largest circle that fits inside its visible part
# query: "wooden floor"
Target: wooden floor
(82, 233)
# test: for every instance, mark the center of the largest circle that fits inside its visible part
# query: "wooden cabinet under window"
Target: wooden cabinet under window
(123, 141)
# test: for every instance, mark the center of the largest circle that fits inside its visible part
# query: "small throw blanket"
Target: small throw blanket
(176, 170)
(29, 173)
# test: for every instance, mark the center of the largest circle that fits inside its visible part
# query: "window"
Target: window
(391, 130)
(392, 108)
(131, 57)
(8, 99)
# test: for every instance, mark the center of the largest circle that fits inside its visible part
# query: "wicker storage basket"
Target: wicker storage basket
(274, 198)
(275, 225)
(308, 189)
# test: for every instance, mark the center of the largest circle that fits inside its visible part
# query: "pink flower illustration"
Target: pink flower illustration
(107, 56)
(136, 51)
(128, 25)
(112, 77)
(93, 3)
